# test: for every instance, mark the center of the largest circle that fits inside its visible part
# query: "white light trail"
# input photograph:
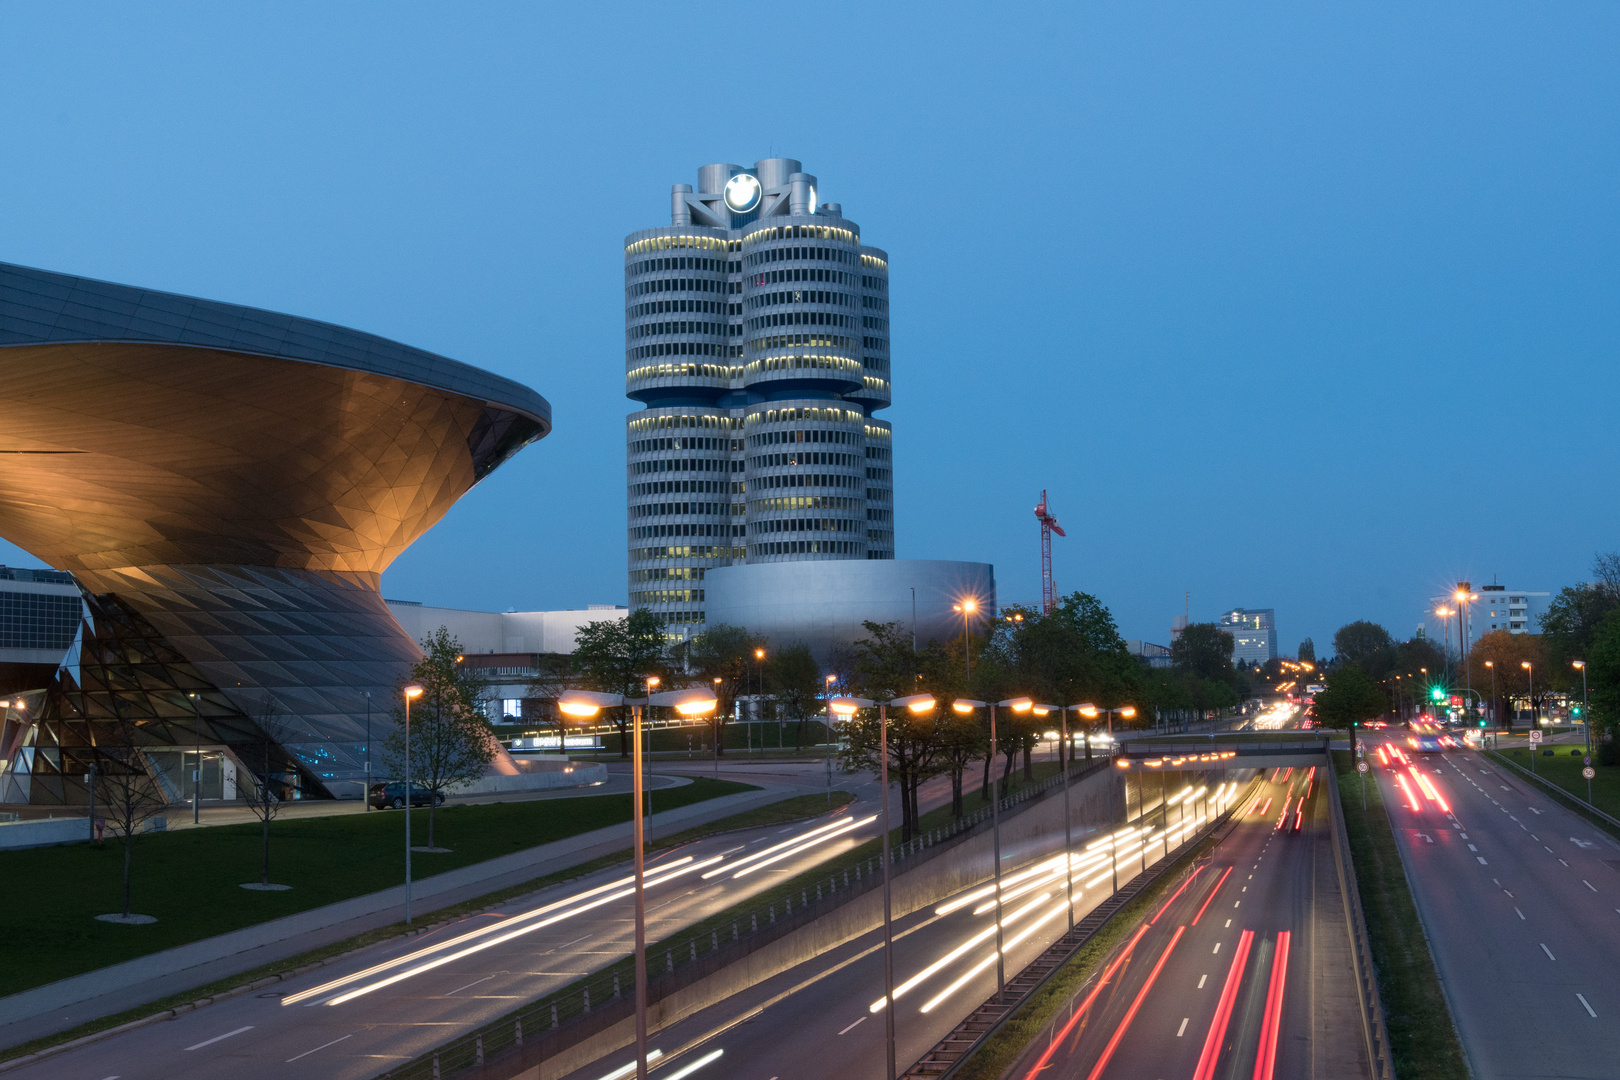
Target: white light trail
(835, 827)
(803, 847)
(982, 935)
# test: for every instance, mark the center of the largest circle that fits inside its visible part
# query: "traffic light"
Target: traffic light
(1438, 693)
(1482, 721)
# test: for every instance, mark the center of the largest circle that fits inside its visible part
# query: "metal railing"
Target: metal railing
(1372, 1007)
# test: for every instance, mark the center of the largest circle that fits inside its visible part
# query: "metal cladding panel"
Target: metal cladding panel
(38, 306)
(825, 602)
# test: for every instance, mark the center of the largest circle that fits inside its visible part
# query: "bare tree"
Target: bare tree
(262, 785)
(129, 794)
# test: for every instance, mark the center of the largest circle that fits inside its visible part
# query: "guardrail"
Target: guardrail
(1554, 789)
(1372, 1007)
(583, 1009)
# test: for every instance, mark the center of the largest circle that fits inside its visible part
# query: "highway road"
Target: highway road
(1521, 903)
(391, 1003)
(824, 1018)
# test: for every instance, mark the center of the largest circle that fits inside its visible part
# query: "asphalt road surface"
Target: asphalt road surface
(1521, 903)
(824, 1017)
(396, 1015)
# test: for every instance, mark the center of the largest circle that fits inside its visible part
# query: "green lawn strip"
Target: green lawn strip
(1563, 770)
(1422, 1040)
(190, 880)
(797, 808)
(1032, 1018)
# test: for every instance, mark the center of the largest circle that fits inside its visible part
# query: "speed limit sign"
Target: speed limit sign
(1589, 772)
(1361, 766)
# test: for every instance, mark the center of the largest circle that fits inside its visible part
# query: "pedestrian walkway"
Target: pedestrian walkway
(61, 1005)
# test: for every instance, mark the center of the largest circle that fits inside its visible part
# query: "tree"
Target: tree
(887, 667)
(794, 680)
(127, 793)
(1366, 645)
(616, 657)
(1307, 651)
(450, 740)
(1350, 697)
(262, 783)
(1570, 624)
(723, 656)
(1505, 654)
(1205, 650)
(1603, 683)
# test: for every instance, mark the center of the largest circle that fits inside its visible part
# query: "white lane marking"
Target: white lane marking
(1201, 978)
(1471, 847)
(1183, 1029)
(323, 1046)
(1549, 850)
(851, 1026)
(1588, 884)
(1482, 861)
(475, 982)
(1235, 903)
(1216, 949)
(218, 1038)
(1565, 863)
(1244, 889)
(1548, 952)
(1520, 914)
(1229, 923)
(1582, 998)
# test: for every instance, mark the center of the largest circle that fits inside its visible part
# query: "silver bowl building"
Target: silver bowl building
(227, 485)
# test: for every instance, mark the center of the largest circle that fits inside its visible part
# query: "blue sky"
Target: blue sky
(1309, 307)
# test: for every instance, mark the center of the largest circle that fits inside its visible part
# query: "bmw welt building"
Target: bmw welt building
(227, 485)
(757, 343)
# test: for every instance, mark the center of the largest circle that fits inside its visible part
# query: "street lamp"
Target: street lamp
(1018, 705)
(831, 679)
(1492, 665)
(1091, 712)
(1445, 622)
(1586, 720)
(411, 692)
(1535, 719)
(585, 704)
(967, 608)
(917, 703)
(1068, 835)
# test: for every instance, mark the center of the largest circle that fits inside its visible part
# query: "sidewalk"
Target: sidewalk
(59, 1006)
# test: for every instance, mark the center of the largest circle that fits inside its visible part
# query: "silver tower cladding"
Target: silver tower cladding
(757, 341)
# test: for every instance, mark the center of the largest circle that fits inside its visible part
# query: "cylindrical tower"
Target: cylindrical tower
(756, 338)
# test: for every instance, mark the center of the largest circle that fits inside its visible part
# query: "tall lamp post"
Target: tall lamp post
(846, 706)
(585, 704)
(1491, 664)
(1017, 705)
(1464, 598)
(967, 607)
(365, 796)
(831, 679)
(1091, 712)
(1445, 622)
(411, 692)
(1068, 829)
(1586, 716)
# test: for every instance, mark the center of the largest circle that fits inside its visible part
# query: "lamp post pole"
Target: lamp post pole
(412, 691)
(641, 900)
(995, 828)
(830, 680)
(366, 796)
(888, 929)
(196, 774)
(1068, 834)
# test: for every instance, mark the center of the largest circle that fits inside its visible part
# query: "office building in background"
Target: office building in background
(757, 342)
(1254, 634)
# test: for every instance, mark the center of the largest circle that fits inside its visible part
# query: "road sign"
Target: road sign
(1589, 772)
(1361, 766)
(1535, 736)
(1361, 746)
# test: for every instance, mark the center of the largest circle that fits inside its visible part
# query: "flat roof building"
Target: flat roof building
(1254, 634)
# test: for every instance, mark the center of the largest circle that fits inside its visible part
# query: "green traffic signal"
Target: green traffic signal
(1438, 693)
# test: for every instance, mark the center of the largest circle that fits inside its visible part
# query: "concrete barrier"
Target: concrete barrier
(537, 776)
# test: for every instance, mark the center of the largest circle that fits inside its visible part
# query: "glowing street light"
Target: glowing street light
(411, 692)
(846, 706)
(967, 607)
(584, 704)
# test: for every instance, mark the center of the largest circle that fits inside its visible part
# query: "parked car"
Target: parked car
(392, 796)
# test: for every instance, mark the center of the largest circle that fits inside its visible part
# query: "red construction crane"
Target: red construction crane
(1049, 525)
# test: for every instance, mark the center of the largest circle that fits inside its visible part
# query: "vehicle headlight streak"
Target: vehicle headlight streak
(495, 939)
(788, 848)
(802, 846)
(1052, 913)
(956, 953)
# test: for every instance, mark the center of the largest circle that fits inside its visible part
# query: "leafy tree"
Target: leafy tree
(723, 656)
(887, 667)
(1571, 622)
(1307, 651)
(1350, 697)
(1205, 650)
(794, 680)
(1603, 683)
(450, 739)
(1366, 645)
(1506, 654)
(616, 657)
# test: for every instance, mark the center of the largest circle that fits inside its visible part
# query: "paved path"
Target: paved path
(70, 1002)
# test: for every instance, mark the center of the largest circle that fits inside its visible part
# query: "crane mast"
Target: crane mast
(1049, 525)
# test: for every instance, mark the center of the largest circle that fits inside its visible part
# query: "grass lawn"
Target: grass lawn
(1564, 770)
(1422, 1041)
(189, 880)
